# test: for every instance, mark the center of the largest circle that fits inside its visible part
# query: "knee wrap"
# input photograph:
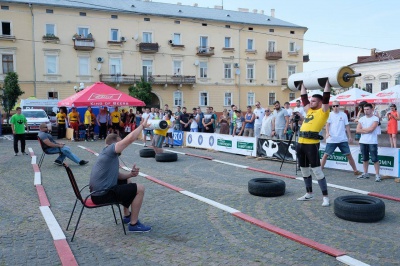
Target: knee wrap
(305, 171)
(318, 172)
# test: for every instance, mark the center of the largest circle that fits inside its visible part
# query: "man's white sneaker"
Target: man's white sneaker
(307, 196)
(378, 178)
(325, 202)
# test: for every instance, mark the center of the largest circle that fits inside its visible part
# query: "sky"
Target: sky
(338, 30)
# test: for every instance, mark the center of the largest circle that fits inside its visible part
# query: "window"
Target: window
(227, 98)
(177, 22)
(177, 68)
(147, 37)
(49, 11)
(368, 87)
(384, 85)
(203, 41)
(250, 44)
(203, 69)
(204, 24)
(397, 80)
(7, 63)
(250, 28)
(52, 95)
(115, 66)
(177, 39)
(271, 46)
(203, 98)
(5, 7)
(292, 96)
(271, 98)
(84, 66)
(271, 72)
(292, 47)
(50, 29)
(250, 98)
(228, 26)
(271, 30)
(5, 28)
(227, 70)
(292, 32)
(291, 70)
(250, 72)
(51, 64)
(227, 42)
(146, 19)
(114, 35)
(83, 32)
(147, 67)
(177, 98)
(82, 14)
(114, 16)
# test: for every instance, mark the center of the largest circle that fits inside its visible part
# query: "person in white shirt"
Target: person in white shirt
(147, 131)
(259, 113)
(368, 128)
(194, 120)
(288, 109)
(299, 108)
(268, 123)
(336, 128)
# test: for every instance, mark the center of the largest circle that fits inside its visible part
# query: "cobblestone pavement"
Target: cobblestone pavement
(187, 231)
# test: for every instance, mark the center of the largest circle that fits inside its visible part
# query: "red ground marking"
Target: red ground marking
(155, 180)
(42, 196)
(383, 196)
(270, 172)
(32, 154)
(302, 240)
(65, 253)
(35, 168)
(203, 157)
(89, 150)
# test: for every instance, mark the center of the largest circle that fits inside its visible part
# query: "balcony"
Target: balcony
(205, 51)
(50, 38)
(83, 43)
(273, 55)
(172, 79)
(150, 48)
(7, 38)
(119, 78)
(284, 81)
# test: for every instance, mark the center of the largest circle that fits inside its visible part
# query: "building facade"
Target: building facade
(380, 70)
(193, 56)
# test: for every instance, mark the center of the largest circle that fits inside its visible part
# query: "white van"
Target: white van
(35, 117)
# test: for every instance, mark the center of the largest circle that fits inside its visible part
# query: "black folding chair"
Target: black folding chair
(44, 152)
(87, 202)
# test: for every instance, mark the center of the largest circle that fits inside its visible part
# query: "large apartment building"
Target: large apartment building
(193, 56)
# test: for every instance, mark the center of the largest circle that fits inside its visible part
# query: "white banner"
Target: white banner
(200, 140)
(236, 144)
(388, 160)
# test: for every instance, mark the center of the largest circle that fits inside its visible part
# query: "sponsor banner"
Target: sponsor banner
(236, 145)
(177, 135)
(200, 140)
(388, 160)
(273, 148)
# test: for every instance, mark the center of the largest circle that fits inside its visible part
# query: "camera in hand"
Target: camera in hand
(296, 117)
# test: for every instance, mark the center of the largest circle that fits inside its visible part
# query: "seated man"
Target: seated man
(113, 186)
(50, 146)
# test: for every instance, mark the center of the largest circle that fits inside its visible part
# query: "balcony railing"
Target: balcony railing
(120, 78)
(273, 55)
(84, 44)
(145, 47)
(172, 79)
(205, 51)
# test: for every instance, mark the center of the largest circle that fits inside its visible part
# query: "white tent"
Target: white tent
(390, 95)
(310, 93)
(350, 97)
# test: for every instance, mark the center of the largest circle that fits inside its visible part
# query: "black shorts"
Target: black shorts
(122, 193)
(308, 154)
(115, 126)
(169, 135)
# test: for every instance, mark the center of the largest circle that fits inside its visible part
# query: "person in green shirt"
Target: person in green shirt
(18, 123)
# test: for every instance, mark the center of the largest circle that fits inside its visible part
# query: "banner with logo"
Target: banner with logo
(388, 160)
(177, 135)
(200, 140)
(236, 144)
(276, 148)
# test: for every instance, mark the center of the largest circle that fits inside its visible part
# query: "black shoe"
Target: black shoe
(172, 146)
(83, 162)
(57, 162)
(166, 145)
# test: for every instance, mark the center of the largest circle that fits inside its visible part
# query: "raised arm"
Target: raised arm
(304, 98)
(326, 96)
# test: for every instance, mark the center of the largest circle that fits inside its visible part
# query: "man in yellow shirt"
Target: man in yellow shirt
(317, 113)
(115, 120)
(159, 136)
(89, 124)
(74, 121)
(60, 122)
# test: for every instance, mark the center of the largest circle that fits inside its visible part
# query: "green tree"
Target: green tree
(141, 91)
(11, 92)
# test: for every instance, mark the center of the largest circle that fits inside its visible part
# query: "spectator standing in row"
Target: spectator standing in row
(215, 117)
(201, 116)
(88, 123)
(147, 131)
(103, 119)
(392, 126)
(287, 108)
(259, 112)
(268, 123)
(299, 108)
(232, 117)
(249, 118)
(239, 124)
(281, 121)
(224, 123)
(74, 121)
(184, 120)
(367, 127)
(115, 120)
(60, 122)
(177, 115)
(208, 121)
(194, 120)
(18, 123)
(138, 118)
(336, 129)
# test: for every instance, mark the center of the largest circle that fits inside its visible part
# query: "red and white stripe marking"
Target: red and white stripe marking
(338, 254)
(60, 242)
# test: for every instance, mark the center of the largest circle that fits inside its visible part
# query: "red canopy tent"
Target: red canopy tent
(100, 94)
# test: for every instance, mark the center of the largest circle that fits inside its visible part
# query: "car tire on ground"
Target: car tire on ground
(147, 153)
(166, 157)
(359, 208)
(266, 187)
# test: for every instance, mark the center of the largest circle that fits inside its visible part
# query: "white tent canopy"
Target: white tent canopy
(390, 95)
(350, 97)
